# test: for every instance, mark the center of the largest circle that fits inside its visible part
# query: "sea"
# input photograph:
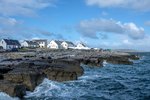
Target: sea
(110, 82)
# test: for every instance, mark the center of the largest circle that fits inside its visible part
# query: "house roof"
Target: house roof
(11, 42)
(32, 43)
(69, 43)
(58, 42)
(83, 44)
(40, 40)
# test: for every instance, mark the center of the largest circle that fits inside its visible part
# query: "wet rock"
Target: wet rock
(29, 56)
(133, 57)
(93, 62)
(13, 89)
(57, 74)
(119, 60)
(68, 65)
(64, 70)
(4, 69)
(29, 78)
(17, 59)
(1, 77)
(45, 57)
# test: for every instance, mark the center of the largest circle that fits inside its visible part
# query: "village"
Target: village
(10, 44)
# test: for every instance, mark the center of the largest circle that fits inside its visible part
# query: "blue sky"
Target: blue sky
(113, 24)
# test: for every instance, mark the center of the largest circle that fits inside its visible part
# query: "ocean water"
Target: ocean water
(111, 82)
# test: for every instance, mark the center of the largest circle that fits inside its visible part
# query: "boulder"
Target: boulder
(133, 57)
(29, 78)
(13, 89)
(1, 77)
(4, 69)
(68, 65)
(119, 60)
(58, 74)
(91, 61)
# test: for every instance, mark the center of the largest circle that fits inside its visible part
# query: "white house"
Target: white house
(81, 46)
(55, 44)
(9, 44)
(67, 45)
(42, 43)
(29, 44)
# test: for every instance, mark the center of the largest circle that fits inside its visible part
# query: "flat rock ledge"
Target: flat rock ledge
(18, 75)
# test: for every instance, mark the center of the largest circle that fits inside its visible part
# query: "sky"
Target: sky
(114, 24)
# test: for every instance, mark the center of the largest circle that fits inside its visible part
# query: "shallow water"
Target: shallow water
(111, 82)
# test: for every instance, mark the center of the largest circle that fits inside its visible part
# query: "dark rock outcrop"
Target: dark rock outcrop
(30, 73)
(29, 78)
(1, 77)
(13, 89)
(4, 69)
(119, 60)
(68, 65)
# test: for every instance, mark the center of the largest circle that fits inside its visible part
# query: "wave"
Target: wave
(4, 96)
(55, 89)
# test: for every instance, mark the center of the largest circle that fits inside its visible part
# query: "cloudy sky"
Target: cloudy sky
(99, 23)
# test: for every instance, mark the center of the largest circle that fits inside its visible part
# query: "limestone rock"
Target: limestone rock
(13, 89)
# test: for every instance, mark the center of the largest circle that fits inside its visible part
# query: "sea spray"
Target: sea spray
(4, 96)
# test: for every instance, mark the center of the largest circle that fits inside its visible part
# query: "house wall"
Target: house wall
(3, 44)
(80, 46)
(53, 45)
(8, 47)
(24, 44)
(42, 44)
(34, 46)
(65, 45)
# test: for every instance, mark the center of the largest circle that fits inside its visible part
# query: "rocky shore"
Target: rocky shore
(23, 71)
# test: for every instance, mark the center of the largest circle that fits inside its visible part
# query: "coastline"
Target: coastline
(25, 70)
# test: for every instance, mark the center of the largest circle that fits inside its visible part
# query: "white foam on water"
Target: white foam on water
(70, 89)
(44, 88)
(55, 89)
(89, 77)
(4, 96)
(105, 63)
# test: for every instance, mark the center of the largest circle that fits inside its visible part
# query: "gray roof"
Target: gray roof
(40, 40)
(58, 42)
(32, 43)
(69, 43)
(12, 42)
(83, 44)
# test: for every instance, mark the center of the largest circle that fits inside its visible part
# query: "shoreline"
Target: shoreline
(22, 71)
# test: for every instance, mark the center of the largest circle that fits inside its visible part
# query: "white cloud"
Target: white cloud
(8, 21)
(127, 42)
(23, 7)
(92, 28)
(142, 5)
(12, 28)
(133, 31)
